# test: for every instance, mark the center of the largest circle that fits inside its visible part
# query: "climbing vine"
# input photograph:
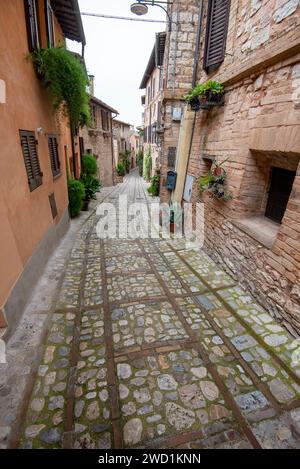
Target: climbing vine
(66, 78)
(147, 164)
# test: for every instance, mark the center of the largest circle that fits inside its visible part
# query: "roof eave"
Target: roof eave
(102, 104)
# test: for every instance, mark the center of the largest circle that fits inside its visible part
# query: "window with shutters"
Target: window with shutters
(49, 23)
(216, 34)
(54, 156)
(31, 12)
(31, 160)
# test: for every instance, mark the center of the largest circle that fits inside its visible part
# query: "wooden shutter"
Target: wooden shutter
(49, 24)
(216, 33)
(53, 205)
(54, 157)
(31, 159)
(31, 12)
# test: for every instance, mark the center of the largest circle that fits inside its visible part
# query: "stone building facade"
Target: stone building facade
(152, 83)
(37, 149)
(98, 139)
(135, 148)
(257, 132)
(179, 68)
(122, 132)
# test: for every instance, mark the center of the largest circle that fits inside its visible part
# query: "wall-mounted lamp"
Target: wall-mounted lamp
(140, 8)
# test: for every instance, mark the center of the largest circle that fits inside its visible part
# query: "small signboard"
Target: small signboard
(188, 188)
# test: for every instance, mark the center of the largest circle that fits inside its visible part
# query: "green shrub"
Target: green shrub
(91, 186)
(76, 195)
(66, 78)
(125, 157)
(120, 169)
(202, 88)
(154, 188)
(88, 176)
(89, 165)
(147, 164)
(139, 162)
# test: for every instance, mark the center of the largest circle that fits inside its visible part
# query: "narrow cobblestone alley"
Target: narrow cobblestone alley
(153, 345)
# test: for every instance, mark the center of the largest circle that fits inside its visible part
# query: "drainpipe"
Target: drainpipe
(73, 151)
(112, 148)
(187, 126)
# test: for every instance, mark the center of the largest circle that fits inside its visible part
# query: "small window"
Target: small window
(31, 12)
(54, 156)
(31, 160)
(279, 193)
(216, 34)
(49, 24)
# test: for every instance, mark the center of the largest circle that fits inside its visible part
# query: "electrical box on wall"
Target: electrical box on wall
(176, 113)
(171, 180)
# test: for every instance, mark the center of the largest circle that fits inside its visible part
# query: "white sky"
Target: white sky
(117, 53)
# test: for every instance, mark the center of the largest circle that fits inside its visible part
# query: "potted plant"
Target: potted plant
(214, 182)
(206, 95)
(88, 178)
(176, 217)
(91, 186)
(76, 193)
(139, 161)
(154, 187)
(120, 169)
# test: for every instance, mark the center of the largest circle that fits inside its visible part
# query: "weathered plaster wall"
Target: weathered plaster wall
(25, 216)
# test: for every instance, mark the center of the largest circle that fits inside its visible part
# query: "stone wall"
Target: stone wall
(258, 127)
(178, 73)
(99, 142)
(264, 272)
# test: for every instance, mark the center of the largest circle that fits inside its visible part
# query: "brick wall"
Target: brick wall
(178, 73)
(258, 127)
(100, 144)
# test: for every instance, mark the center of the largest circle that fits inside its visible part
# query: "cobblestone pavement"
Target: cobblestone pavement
(153, 345)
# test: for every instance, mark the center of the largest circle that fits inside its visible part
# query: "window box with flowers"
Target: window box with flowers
(206, 95)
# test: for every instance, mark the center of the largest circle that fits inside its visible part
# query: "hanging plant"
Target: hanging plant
(66, 78)
(214, 183)
(206, 95)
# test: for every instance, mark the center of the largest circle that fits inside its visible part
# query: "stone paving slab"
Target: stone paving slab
(145, 323)
(154, 346)
(168, 394)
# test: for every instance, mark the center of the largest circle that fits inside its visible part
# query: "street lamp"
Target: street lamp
(141, 8)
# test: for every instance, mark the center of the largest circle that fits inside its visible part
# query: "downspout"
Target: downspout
(73, 151)
(186, 134)
(197, 48)
(112, 149)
